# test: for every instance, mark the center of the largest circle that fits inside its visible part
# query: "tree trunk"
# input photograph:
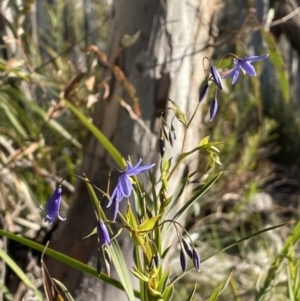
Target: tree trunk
(165, 61)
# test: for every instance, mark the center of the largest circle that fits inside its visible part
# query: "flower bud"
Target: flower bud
(187, 248)
(183, 260)
(213, 109)
(216, 77)
(196, 260)
(203, 92)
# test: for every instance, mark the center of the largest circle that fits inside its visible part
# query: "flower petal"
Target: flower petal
(130, 168)
(103, 234)
(112, 196)
(248, 68)
(125, 186)
(256, 58)
(230, 72)
(235, 76)
(114, 209)
(137, 170)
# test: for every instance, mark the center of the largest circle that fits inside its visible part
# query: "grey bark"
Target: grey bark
(165, 61)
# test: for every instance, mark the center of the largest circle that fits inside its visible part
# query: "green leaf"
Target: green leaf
(163, 281)
(92, 233)
(77, 264)
(130, 218)
(139, 275)
(278, 63)
(129, 40)
(52, 123)
(179, 114)
(20, 274)
(196, 196)
(215, 294)
(191, 295)
(113, 152)
(64, 289)
(292, 239)
(5, 292)
(116, 255)
(204, 141)
(148, 224)
(168, 293)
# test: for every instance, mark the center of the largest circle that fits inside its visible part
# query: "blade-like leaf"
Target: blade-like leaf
(148, 224)
(196, 196)
(114, 153)
(20, 274)
(215, 294)
(67, 260)
(278, 62)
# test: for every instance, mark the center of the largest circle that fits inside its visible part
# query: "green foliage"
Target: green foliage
(41, 141)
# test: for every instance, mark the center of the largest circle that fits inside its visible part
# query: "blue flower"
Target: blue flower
(52, 208)
(103, 234)
(124, 185)
(244, 65)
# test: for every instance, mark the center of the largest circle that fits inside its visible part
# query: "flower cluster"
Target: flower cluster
(145, 226)
(122, 190)
(241, 64)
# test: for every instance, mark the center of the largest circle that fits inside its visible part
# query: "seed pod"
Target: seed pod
(187, 248)
(196, 260)
(183, 260)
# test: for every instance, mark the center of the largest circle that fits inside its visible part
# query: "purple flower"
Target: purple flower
(52, 208)
(216, 77)
(124, 185)
(103, 234)
(244, 65)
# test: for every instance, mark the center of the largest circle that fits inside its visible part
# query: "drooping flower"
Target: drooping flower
(124, 185)
(216, 77)
(245, 66)
(103, 234)
(53, 206)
